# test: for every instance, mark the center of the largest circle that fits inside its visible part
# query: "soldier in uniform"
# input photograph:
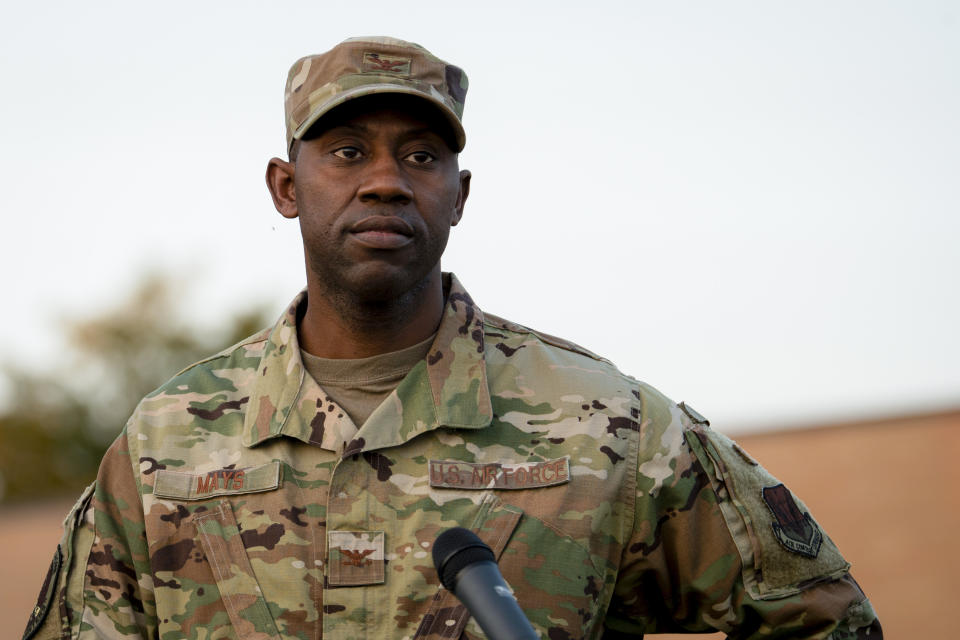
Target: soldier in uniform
(292, 485)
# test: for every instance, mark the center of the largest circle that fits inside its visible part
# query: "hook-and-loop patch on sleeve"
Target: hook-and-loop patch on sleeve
(62, 589)
(45, 599)
(782, 547)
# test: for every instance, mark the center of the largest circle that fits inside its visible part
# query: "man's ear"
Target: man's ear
(280, 183)
(461, 196)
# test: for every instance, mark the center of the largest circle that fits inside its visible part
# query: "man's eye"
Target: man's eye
(347, 153)
(420, 157)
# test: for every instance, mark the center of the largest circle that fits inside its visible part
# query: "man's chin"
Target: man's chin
(379, 284)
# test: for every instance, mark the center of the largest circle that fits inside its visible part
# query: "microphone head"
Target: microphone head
(455, 549)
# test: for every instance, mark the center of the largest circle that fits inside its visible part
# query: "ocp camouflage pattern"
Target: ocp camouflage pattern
(368, 65)
(241, 502)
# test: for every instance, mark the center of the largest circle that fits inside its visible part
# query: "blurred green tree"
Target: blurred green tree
(58, 423)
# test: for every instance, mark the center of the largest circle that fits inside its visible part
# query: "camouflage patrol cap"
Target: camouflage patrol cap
(374, 65)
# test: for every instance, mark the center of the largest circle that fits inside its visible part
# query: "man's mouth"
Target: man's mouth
(382, 232)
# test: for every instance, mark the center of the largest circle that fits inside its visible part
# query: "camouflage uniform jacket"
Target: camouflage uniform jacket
(231, 506)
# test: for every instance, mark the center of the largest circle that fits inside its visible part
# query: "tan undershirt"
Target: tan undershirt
(360, 385)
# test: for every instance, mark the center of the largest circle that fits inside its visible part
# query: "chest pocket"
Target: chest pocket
(223, 546)
(554, 579)
(239, 553)
(446, 617)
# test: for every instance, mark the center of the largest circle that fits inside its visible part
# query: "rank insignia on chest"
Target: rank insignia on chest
(452, 474)
(355, 558)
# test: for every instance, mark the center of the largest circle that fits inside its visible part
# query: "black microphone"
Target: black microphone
(468, 568)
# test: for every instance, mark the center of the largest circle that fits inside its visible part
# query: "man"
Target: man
(292, 486)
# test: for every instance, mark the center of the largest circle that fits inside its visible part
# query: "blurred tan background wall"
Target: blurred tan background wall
(884, 490)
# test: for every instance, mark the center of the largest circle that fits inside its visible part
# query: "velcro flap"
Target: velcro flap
(782, 547)
(220, 482)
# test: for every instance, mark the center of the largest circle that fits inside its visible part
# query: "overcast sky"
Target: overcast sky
(753, 206)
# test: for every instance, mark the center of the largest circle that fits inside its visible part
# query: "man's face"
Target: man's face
(376, 191)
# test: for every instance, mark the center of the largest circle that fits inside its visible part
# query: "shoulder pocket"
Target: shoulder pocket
(62, 592)
(782, 547)
(47, 589)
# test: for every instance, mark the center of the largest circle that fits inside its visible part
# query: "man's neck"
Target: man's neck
(339, 326)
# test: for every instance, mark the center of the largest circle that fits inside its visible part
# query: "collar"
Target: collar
(447, 389)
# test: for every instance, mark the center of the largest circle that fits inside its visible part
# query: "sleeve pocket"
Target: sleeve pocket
(782, 548)
(62, 592)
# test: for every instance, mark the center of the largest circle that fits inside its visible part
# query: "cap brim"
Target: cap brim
(460, 136)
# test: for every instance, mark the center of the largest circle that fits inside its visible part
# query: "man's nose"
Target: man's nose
(385, 181)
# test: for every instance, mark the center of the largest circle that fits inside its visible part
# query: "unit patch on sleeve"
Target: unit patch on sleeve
(452, 474)
(40, 610)
(794, 529)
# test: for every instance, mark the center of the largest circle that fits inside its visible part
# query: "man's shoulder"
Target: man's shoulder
(508, 341)
(502, 331)
(243, 355)
(218, 376)
(510, 337)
